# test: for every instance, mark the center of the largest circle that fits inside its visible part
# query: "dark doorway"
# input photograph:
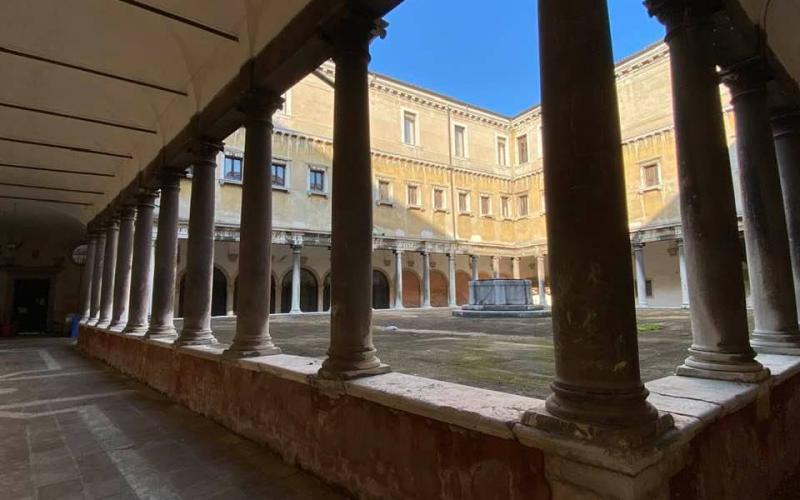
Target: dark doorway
(308, 292)
(326, 293)
(380, 290)
(219, 295)
(30, 305)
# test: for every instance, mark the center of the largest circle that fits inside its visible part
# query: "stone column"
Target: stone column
(473, 262)
(97, 275)
(200, 248)
(495, 267)
(122, 272)
(515, 268)
(255, 247)
(641, 276)
(683, 277)
(597, 380)
(166, 258)
(721, 345)
(540, 276)
(766, 240)
(398, 279)
(142, 263)
(351, 353)
(451, 279)
(786, 133)
(426, 279)
(109, 266)
(296, 253)
(230, 294)
(86, 281)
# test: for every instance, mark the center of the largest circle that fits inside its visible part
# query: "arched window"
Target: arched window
(308, 292)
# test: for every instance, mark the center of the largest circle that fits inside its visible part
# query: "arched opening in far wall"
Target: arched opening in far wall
(380, 290)
(308, 292)
(438, 288)
(411, 289)
(462, 287)
(219, 292)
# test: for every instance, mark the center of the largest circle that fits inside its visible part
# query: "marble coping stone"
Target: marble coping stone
(500, 292)
(694, 403)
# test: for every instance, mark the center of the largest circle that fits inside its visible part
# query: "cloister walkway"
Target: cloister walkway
(72, 428)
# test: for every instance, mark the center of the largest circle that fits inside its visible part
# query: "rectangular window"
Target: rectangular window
(522, 148)
(486, 204)
(463, 202)
(410, 128)
(522, 205)
(650, 175)
(501, 151)
(316, 180)
(279, 175)
(412, 195)
(459, 141)
(438, 199)
(384, 192)
(505, 208)
(232, 169)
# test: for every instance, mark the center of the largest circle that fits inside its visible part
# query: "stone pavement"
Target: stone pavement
(509, 355)
(71, 428)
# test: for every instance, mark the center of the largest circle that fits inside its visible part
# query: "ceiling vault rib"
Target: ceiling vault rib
(46, 200)
(50, 188)
(92, 71)
(77, 149)
(59, 114)
(181, 19)
(60, 170)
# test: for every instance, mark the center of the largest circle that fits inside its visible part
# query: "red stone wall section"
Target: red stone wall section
(371, 450)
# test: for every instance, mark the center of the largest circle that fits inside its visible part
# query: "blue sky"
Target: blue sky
(487, 53)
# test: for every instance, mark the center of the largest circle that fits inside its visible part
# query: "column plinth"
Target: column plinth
(166, 257)
(720, 341)
(109, 266)
(122, 271)
(97, 276)
(786, 134)
(766, 240)
(597, 385)
(200, 248)
(141, 264)
(426, 280)
(86, 283)
(255, 247)
(351, 352)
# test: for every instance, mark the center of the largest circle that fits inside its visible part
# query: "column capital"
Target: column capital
(352, 36)
(205, 150)
(258, 104)
(170, 177)
(785, 121)
(676, 13)
(127, 212)
(747, 76)
(146, 197)
(638, 245)
(296, 247)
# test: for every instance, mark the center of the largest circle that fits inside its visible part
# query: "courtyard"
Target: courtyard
(508, 355)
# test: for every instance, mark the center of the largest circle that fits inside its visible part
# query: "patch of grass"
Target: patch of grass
(649, 327)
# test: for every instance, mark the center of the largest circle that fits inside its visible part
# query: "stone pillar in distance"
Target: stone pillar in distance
(122, 280)
(515, 268)
(87, 278)
(97, 275)
(142, 263)
(255, 247)
(786, 134)
(451, 279)
(166, 257)
(296, 252)
(426, 279)
(720, 340)
(765, 234)
(683, 277)
(473, 262)
(398, 279)
(540, 276)
(495, 267)
(200, 248)
(597, 382)
(641, 275)
(351, 352)
(109, 266)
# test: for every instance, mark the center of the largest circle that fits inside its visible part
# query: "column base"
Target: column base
(776, 342)
(135, 329)
(161, 332)
(335, 374)
(238, 352)
(618, 438)
(103, 324)
(296, 311)
(117, 327)
(195, 337)
(723, 366)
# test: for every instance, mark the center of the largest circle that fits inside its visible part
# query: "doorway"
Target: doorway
(31, 297)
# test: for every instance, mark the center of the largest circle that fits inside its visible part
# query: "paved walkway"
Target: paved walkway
(71, 428)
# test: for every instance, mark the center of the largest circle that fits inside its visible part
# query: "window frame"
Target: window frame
(444, 207)
(465, 145)
(468, 196)
(233, 156)
(286, 174)
(286, 109)
(527, 212)
(390, 194)
(325, 180)
(643, 165)
(497, 140)
(403, 112)
(489, 213)
(419, 204)
(523, 138)
(505, 207)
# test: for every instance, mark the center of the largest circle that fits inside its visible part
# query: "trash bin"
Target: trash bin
(73, 320)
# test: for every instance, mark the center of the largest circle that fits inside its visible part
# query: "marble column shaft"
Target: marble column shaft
(473, 262)
(166, 258)
(398, 279)
(97, 276)
(122, 272)
(255, 247)
(296, 254)
(351, 352)
(86, 280)
(451, 279)
(683, 277)
(641, 274)
(515, 268)
(109, 266)
(720, 341)
(765, 234)
(597, 379)
(786, 134)
(142, 263)
(426, 279)
(540, 275)
(495, 267)
(200, 248)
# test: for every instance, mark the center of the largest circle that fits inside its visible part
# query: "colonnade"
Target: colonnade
(597, 377)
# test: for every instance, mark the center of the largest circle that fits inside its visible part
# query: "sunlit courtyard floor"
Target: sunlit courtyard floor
(510, 355)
